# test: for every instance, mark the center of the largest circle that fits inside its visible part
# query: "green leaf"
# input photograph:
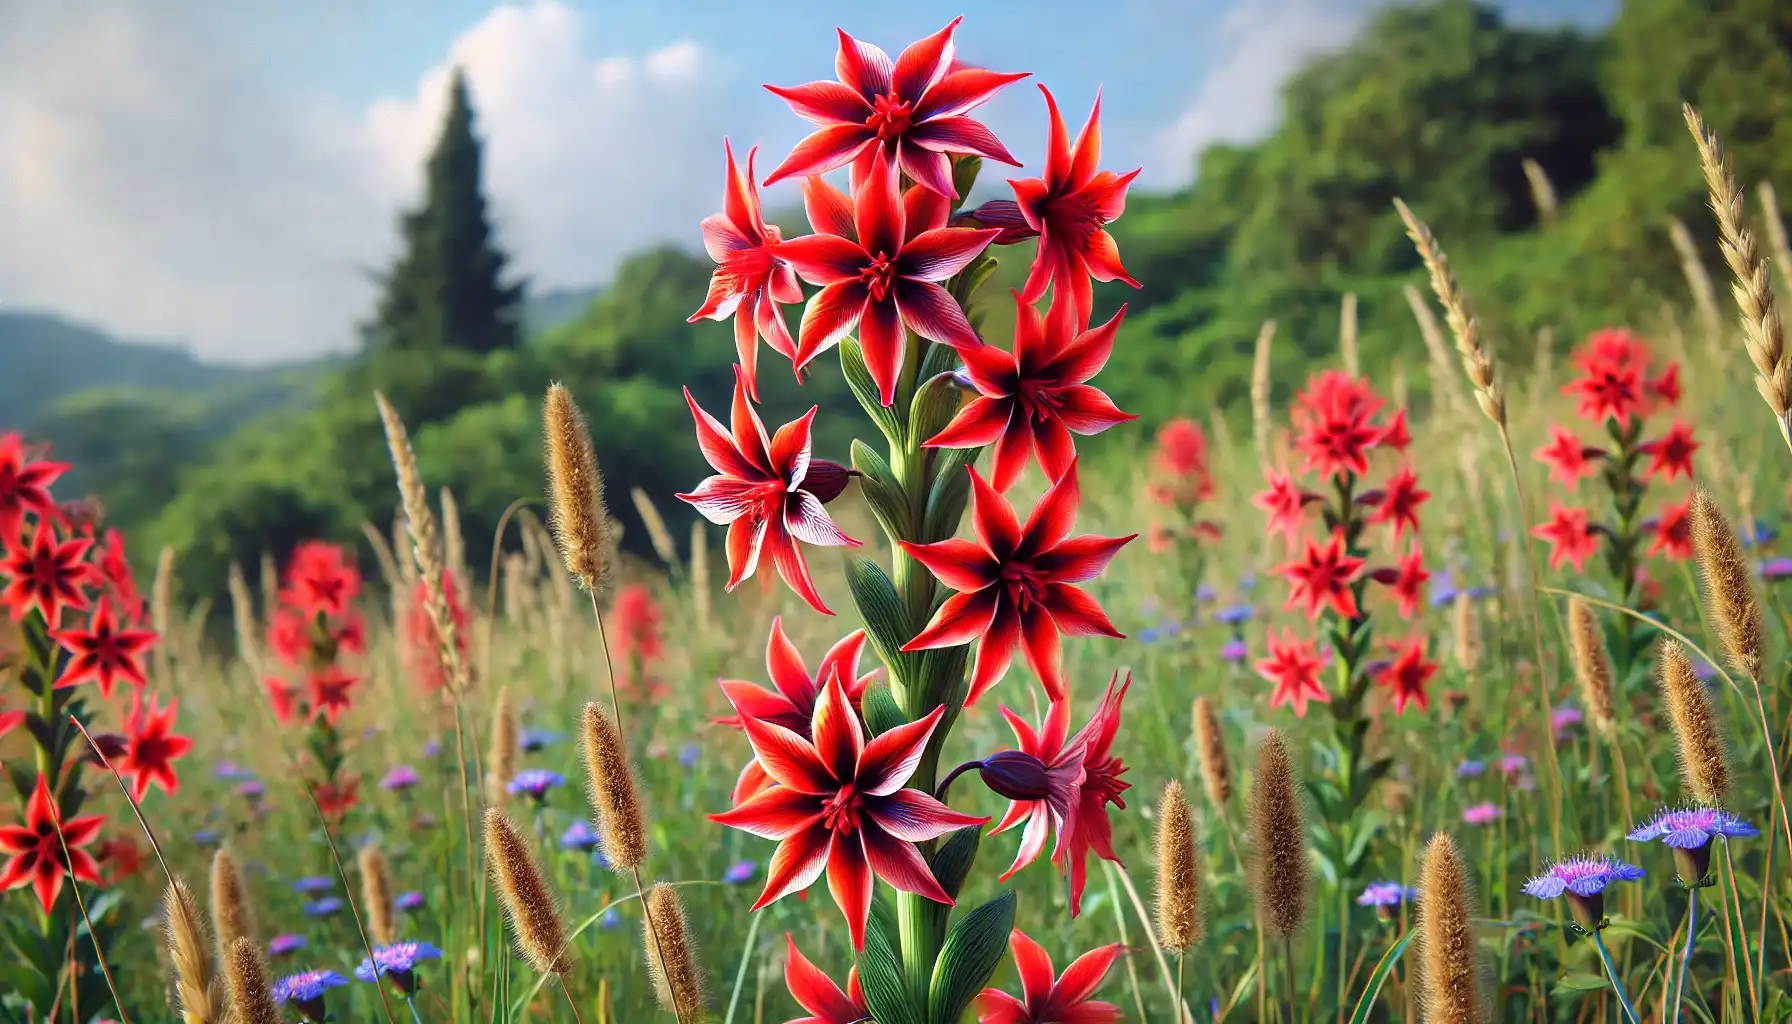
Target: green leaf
(936, 402)
(969, 958)
(964, 176)
(1372, 987)
(882, 713)
(953, 863)
(880, 971)
(881, 489)
(885, 621)
(951, 491)
(1579, 981)
(858, 378)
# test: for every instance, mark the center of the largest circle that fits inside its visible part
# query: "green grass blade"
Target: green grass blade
(1372, 989)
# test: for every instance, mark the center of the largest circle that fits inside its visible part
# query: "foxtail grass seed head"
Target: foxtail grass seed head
(529, 905)
(191, 954)
(1210, 749)
(1698, 736)
(1465, 632)
(657, 533)
(1543, 191)
(454, 545)
(242, 619)
(1592, 666)
(1477, 360)
(1260, 381)
(420, 521)
(1281, 875)
(671, 953)
(251, 998)
(616, 804)
(1451, 968)
(506, 748)
(377, 900)
(575, 490)
(1178, 871)
(1729, 592)
(233, 917)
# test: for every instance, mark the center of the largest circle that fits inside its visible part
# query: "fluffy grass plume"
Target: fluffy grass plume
(1592, 666)
(1281, 876)
(621, 817)
(1210, 749)
(506, 748)
(454, 545)
(657, 532)
(242, 619)
(672, 960)
(1729, 592)
(1465, 632)
(376, 894)
(575, 490)
(1698, 739)
(1178, 871)
(1347, 336)
(529, 906)
(183, 934)
(700, 596)
(1477, 359)
(1450, 969)
(1543, 191)
(251, 999)
(1260, 381)
(233, 917)
(1444, 381)
(419, 520)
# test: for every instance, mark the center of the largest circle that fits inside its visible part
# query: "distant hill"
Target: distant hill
(544, 311)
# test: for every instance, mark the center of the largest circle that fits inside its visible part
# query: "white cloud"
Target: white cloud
(149, 185)
(1261, 43)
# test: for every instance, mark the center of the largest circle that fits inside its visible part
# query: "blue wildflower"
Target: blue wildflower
(1235, 650)
(1233, 614)
(578, 836)
(1384, 896)
(740, 872)
(306, 991)
(612, 917)
(312, 884)
(535, 783)
(539, 739)
(688, 754)
(397, 961)
(1148, 635)
(208, 837)
(408, 901)
(1689, 832)
(324, 907)
(280, 945)
(1583, 880)
(1471, 769)
(1206, 592)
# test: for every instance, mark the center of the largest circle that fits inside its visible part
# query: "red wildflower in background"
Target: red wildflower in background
(1086, 828)
(1611, 383)
(1567, 457)
(423, 645)
(1180, 464)
(47, 575)
(768, 491)
(636, 617)
(1671, 453)
(320, 579)
(839, 805)
(103, 652)
(151, 747)
(908, 112)
(1673, 532)
(1666, 387)
(336, 797)
(1286, 502)
(328, 691)
(10, 720)
(749, 280)
(1570, 538)
(1408, 580)
(1406, 676)
(38, 858)
(1400, 501)
(1293, 665)
(1048, 999)
(815, 992)
(1395, 435)
(120, 857)
(1035, 397)
(289, 635)
(1321, 577)
(1334, 421)
(24, 487)
(1063, 760)
(1070, 207)
(115, 569)
(282, 697)
(1014, 584)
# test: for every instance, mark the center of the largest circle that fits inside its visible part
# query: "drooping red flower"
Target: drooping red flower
(1570, 538)
(1286, 502)
(329, 690)
(1063, 760)
(908, 112)
(1046, 998)
(1035, 397)
(884, 282)
(839, 805)
(1673, 532)
(1294, 665)
(634, 623)
(1671, 453)
(815, 992)
(1567, 457)
(103, 652)
(337, 796)
(320, 579)
(1321, 578)
(1395, 435)
(1406, 676)
(38, 858)
(289, 635)
(1086, 828)
(282, 697)
(1181, 465)
(24, 487)
(768, 491)
(1666, 387)
(151, 747)
(115, 569)
(1069, 208)
(48, 575)
(1015, 584)
(749, 280)
(1407, 580)
(1611, 384)
(1400, 501)
(793, 704)
(423, 653)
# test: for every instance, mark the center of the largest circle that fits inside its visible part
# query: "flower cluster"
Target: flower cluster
(315, 625)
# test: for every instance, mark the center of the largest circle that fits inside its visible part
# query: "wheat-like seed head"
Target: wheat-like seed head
(1439, 367)
(1543, 191)
(529, 904)
(1347, 331)
(251, 998)
(700, 596)
(657, 533)
(621, 815)
(1592, 666)
(1465, 632)
(1698, 279)
(1178, 871)
(454, 545)
(242, 619)
(1210, 749)
(1698, 736)
(1477, 360)
(191, 954)
(233, 916)
(575, 490)
(1283, 879)
(1776, 233)
(1451, 965)
(506, 749)
(1729, 592)
(376, 894)
(671, 951)
(420, 520)
(1260, 381)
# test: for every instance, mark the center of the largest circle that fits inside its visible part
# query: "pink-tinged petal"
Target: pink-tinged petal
(849, 879)
(828, 209)
(784, 664)
(882, 341)
(749, 431)
(842, 660)
(914, 817)
(864, 67)
(787, 559)
(994, 520)
(788, 758)
(924, 62)
(746, 346)
(839, 739)
(1088, 410)
(928, 310)
(1024, 733)
(977, 424)
(1080, 559)
(831, 314)
(751, 700)
(923, 209)
(717, 445)
(930, 169)
(790, 448)
(959, 135)
(795, 865)
(1051, 738)
(824, 259)
(1086, 154)
(995, 1006)
(740, 199)
(768, 320)
(722, 238)
(1034, 967)
(752, 782)
(962, 90)
(1018, 812)
(1076, 613)
(958, 563)
(807, 521)
(823, 150)
(1055, 514)
(813, 990)
(891, 757)
(878, 214)
(824, 103)
(1032, 839)
(995, 652)
(938, 254)
(723, 499)
(1103, 258)
(1013, 450)
(1056, 449)
(961, 619)
(1057, 146)
(900, 864)
(746, 538)
(1084, 975)
(778, 813)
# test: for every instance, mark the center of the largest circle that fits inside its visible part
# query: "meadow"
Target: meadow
(1383, 704)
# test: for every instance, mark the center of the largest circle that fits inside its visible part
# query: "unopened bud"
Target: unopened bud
(1016, 775)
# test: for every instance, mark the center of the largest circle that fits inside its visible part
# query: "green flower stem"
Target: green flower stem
(1611, 974)
(1692, 930)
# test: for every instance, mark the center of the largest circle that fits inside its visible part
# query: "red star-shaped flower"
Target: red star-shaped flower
(120, 857)
(1014, 584)
(1611, 383)
(47, 575)
(1035, 397)
(768, 491)
(1048, 999)
(320, 579)
(1570, 538)
(24, 487)
(1666, 387)
(1063, 762)
(1567, 458)
(1671, 453)
(839, 805)
(151, 747)
(1321, 578)
(282, 697)
(38, 858)
(1395, 435)
(908, 112)
(1293, 665)
(1400, 501)
(793, 705)
(885, 281)
(338, 796)
(1673, 532)
(1407, 580)
(115, 569)
(1286, 504)
(1334, 421)
(329, 691)
(1086, 828)
(1069, 208)
(749, 280)
(817, 993)
(1406, 676)
(103, 652)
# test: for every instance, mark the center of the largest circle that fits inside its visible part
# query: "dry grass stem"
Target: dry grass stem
(242, 620)
(529, 905)
(377, 898)
(1210, 749)
(233, 916)
(1698, 279)
(1477, 360)
(505, 752)
(1347, 336)
(701, 599)
(1776, 234)
(1543, 191)
(1260, 380)
(657, 533)
(1450, 966)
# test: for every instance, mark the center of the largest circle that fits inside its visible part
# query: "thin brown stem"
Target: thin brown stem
(74, 885)
(574, 1007)
(1288, 969)
(353, 910)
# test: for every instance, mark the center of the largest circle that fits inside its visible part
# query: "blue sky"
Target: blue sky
(224, 173)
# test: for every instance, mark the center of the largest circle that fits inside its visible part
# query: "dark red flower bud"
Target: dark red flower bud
(1385, 576)
(1371, 498)
(826, 479)
(1016, 775)
(110, 744)
(998, 213)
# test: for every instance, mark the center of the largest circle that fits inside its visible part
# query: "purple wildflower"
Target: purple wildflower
(1148, 635)
(1235, 650)
(688, 754)
(1763, 534)
(1384, 896)
(578, 836)
(1443, 588)
(408, 901)
(306, 991)
(230, 771)
(397, 961)
(1233, 614)
(432, 749)
(250, 789)
(1583, 880)
(1689, 832)
(539, 739)
(1206, 592)
(1777, 568)
(612, 917)
(535, 783)
(311, 884)
(281, 945)
(740, 872)
(1471, 769)
(1482, 814)
(1562, 718)
(324, 907)
(400, 778)
(1513, 764)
